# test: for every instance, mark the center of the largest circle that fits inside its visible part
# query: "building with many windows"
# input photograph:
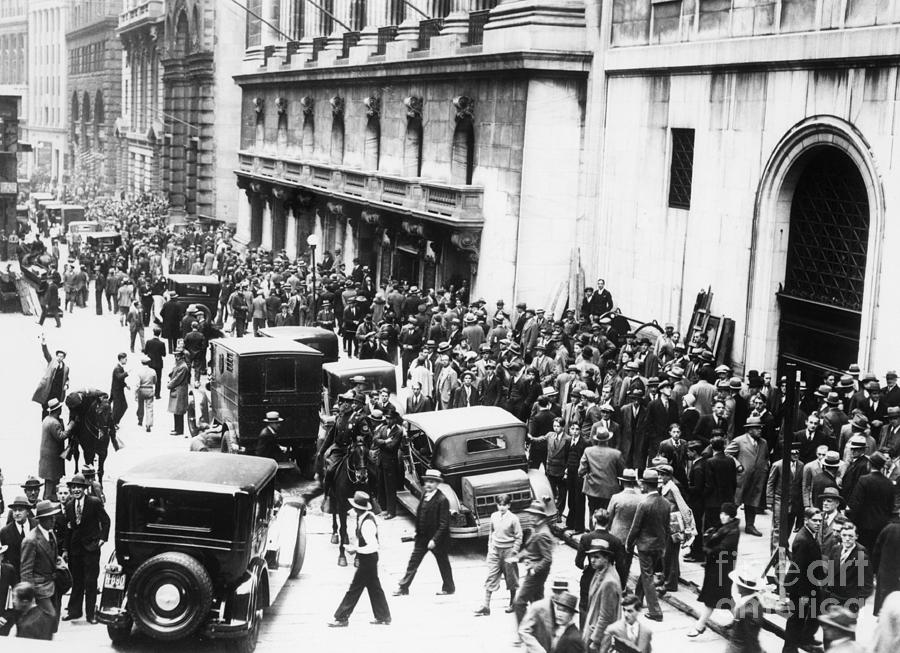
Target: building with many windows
(94, 89)
(14, 56)
(46, 125)
(751, 147)
(437, 141)
(180, 108)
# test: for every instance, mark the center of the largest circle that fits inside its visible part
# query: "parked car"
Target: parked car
(318, 338)
(104, 241)
(196, 289)
(252, 376)
(77, 232)
(203, 545)
(336, 380)
(481, 453)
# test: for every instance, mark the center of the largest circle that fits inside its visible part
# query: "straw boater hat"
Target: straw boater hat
(433, 475)
(54, 405)
(566, 601)
(747, 583)
(272, 417)
(629, 476)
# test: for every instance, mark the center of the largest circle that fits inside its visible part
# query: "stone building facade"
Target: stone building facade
(181, 109)
(94, 89)
(47, 72)
(14, 60)
(438, 143)
(751, 147)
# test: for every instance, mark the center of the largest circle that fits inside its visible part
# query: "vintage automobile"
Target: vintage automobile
(318, 338)
(198, 290)
(103, 241)
(77, 232)
(481, 453)
(252, 376)
(203, 545)
(336, 380)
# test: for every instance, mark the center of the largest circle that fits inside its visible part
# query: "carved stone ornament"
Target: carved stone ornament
(337, 106)
(467, 241)
(413, 228)
(154, 33)
(280, 105)
(413, 106)
(370, 217)
(373, 106)
(259, 105)
(307, 104)
(335, 208)
(258, 188)
(279, 193)
(465, 107)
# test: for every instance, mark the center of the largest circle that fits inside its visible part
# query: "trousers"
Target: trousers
(365, 578)
(420, 548)
(85, 569)
(145, 411)
(648, 561)
(531, 590)
(575, 516)
(499, 568)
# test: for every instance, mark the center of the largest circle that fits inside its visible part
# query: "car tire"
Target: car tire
(119, 635)
(175, 573)
(299, 549)
(246, 643)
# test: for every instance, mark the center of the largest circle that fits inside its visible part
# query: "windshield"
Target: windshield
(202, 289)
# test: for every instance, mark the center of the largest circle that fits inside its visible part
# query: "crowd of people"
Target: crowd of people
(652, 445)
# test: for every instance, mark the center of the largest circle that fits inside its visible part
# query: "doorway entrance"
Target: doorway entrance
(407, 266)
(821, 301)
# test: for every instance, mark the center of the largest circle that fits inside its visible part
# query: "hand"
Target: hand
(430, 545)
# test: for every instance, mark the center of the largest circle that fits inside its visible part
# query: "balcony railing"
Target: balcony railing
(145, 13)
(435, 200)
(477, 21)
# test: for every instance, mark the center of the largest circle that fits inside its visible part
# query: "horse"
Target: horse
(351, 474)
(91, 427)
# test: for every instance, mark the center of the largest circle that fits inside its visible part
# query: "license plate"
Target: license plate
(114, 581)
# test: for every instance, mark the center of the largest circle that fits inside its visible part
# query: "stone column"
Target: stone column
(279, 217)
(268, 35)
(408, 30)
(265, 240)
(376, 16)
(244, 217)
(457, 22)
(290, 232)
(342, 13)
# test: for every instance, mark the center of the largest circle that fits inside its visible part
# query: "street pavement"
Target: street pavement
(421, 620)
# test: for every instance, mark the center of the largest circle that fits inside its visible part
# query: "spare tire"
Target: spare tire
(169, 596)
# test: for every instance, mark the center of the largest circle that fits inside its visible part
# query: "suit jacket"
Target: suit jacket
(622, 508)
(570, 640)
(808, 447)
(754, 458)
(9, 536)
(773, 486)
(459, 397)
(634, 436)
(444, 385)
(827, 536)
(39, 563)
(875, 413)
(611, 426)
(676, 454)
(433, 520)
(604, 605)
(42, 392)
(50, 465)
(537, 627)
(688, 421)
(492, 390)
(557, 454)
(855, 471)
(871, 503)
(619, 630)
(650, 528)
(707, 426)
(179, 380)
(852, 577)
(422, 404)
(600, 468)
(720, 482)
(802, 577)
(85, 537)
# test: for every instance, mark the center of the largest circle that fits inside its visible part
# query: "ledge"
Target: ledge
(449, 204)
(550, 61)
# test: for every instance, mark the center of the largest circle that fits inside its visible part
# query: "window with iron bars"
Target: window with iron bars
(681, 171)
(385, 36)
(477, 21)
(427, 29)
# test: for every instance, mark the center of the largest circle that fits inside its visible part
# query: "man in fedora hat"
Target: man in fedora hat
(567, 636)
(600, 466)
(88, 528)
(40, 558)
(858, 465)
(831, 504)
(537, 627)
(804, 581)
(51, 465)
(648, 534)
(794, 503)
(753, 456)
(12, 535)
(432, 534)
(890, 432)
(604, 594)
(871, 502)
(537, 556)
(600, 521)
(839, 630)
(366, 575)
(55, 381)
(850, 579)
(179, 379)
(622, 508)
(267, 443)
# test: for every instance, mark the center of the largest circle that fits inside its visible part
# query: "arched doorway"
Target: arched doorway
(822, 297)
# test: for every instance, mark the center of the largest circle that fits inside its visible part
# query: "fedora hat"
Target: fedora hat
(833, 399)
(735, 383)
(537, 508)
(559, 584)
(822, 391)
(433, 475)
(676, 373)
(830, 493)
(31, 481)
(853, 370)
(78, 479)
(860, 421)
(832, 459)
(629, 475)
(752, 584)
(272, 417)
(566, 601)
(360, 500)
(753, 422)
(599, 545)
(837, 616)
(20, 501)
(858, 442)
(46, 509)
(893, 411)
(846, 381)
(53, 405)
(650, 476)
(602, 435)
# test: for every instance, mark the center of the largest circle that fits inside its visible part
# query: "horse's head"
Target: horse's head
(357, 460)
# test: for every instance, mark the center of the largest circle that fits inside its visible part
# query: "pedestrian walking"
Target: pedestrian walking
(134, 319)
(649, 532)
(753, 456)
(51, 466)
(886, 564)
(87, 525)
(155, 350)
(117, 389)
(538, 626)
(537, 556)
(432, 534)
(50, 301)
(604, 595)
(794, 504)
(40, 559)
(721, 548)
(600, 466)
(179, 378)
(747, 613)
(31, 620)
(804, 581)
(145, 393)
(504, 543)
(366, 575)
(631, 630)
(871, 503)
(600, 520)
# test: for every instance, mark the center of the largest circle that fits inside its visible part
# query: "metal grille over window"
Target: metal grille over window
(385, 36)
(682, 170)
(427, 29)
(477, 21)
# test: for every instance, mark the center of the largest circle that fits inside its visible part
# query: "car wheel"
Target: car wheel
(246, 643)
(119, 635)
(170, 596)
(299, 549)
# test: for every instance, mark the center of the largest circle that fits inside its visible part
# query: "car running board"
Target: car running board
(409, 500)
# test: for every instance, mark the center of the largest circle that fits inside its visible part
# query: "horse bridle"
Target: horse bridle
(357, 476)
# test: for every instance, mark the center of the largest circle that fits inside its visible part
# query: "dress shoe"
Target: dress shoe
(71, 617)
(509, 609)
(445, 593)
(751, 530)
(91, 620)
(338, 623)
(400, 592)
(483, 611)
(381, 622)
(654, 617)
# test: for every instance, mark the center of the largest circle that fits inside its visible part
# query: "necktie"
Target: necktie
(78, 512)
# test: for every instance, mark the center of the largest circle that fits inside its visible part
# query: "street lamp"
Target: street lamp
(313, 241)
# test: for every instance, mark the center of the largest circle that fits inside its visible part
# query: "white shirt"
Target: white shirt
(369, 531)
